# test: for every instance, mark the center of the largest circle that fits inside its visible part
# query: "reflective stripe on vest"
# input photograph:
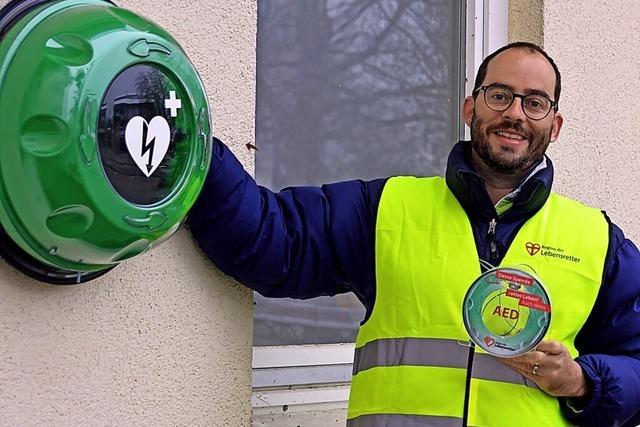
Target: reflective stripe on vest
(409, 365)
(433, 352)
(396, 420)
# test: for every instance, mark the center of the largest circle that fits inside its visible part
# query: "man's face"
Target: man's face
(508, 142)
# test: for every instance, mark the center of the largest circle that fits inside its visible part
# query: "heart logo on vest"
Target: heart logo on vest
(489, 341)
(532, 248)
(147, 142)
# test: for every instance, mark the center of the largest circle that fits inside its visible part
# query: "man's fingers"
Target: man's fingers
(551, 367)
(527, 370)
(555, 348)
(525, 360)
(544, 357)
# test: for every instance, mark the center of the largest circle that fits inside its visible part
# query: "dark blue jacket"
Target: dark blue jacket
(305, 242)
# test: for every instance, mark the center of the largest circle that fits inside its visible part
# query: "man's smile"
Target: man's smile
(510, 137)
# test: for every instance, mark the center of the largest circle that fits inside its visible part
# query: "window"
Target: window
(351, 89)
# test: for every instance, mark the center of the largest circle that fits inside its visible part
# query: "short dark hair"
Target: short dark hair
(533, 48)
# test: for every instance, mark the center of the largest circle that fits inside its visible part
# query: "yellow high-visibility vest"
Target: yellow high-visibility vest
(411, 361)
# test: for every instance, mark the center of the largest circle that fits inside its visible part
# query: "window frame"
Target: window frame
(307, 378)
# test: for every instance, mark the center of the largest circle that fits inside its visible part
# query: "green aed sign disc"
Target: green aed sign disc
(507, 311)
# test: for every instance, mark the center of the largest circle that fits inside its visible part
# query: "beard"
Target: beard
(505, 160)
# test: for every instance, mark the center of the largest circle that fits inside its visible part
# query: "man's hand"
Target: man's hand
(551, 367)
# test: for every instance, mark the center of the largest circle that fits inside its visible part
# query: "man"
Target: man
(409, 249)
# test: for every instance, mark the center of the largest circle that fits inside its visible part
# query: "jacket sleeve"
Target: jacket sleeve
(301, 242)
(609, 343)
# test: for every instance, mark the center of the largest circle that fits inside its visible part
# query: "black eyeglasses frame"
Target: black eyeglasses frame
(553, 104)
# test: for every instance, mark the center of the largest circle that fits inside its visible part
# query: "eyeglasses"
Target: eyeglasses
(500, 98)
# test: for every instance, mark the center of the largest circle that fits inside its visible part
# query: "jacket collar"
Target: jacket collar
(469, 188)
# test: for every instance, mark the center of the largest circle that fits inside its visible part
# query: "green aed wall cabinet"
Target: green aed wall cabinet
(106, 137)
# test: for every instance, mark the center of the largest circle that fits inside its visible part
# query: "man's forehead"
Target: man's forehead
(522, 69)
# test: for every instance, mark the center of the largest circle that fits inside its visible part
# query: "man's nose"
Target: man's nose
(515, 110)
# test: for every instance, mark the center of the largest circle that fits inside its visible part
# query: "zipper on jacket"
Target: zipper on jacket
(493, 256)
(491, 234)
(467, 384)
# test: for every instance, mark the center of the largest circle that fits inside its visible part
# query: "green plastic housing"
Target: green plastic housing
(56, 202)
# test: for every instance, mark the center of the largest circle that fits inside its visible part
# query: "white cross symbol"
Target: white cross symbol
(173, 103)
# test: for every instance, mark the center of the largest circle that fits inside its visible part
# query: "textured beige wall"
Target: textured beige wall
(526, 21)
(164, 339)
(596, 45)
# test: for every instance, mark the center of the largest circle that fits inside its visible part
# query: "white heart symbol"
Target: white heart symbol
(148, 151)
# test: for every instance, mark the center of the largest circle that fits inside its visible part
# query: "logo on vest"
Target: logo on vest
(549, 252)
(532, 248)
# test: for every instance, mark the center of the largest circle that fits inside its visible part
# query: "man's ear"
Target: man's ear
(467, 109)
(557, 125)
